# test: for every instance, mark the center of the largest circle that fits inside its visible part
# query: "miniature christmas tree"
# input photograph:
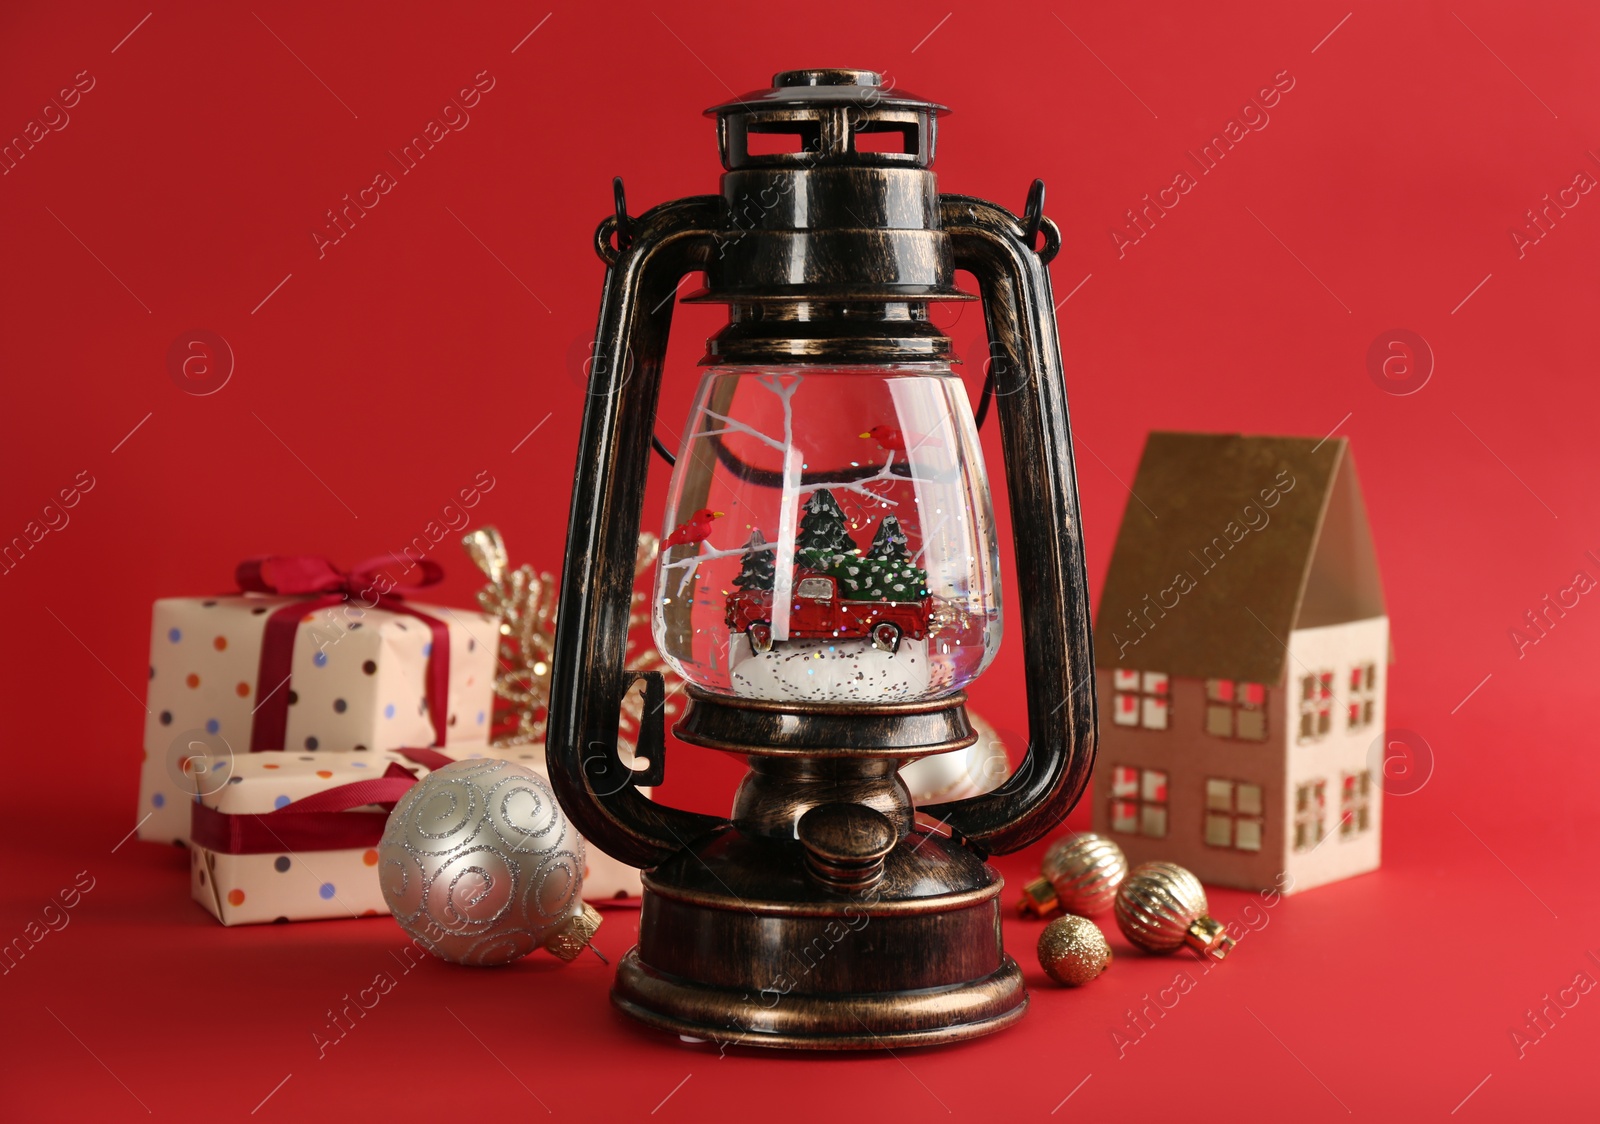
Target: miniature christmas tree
(757, 569)
(889, 574)
(824, 540)
(886, 573)
(890, 542)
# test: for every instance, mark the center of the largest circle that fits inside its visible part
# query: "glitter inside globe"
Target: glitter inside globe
(480, 865)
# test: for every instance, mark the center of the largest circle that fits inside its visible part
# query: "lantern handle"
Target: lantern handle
(588, 679)
(1033, 213)
(619, 227)
(624, 224)
(995, 246)
(1033, 221)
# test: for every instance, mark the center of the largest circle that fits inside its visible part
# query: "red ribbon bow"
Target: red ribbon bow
(367, 585)
(307, 573)
(323, 821)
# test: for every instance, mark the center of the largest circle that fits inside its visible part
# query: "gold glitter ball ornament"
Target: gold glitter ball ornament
(1073, 951)
(1079, 874)
(1161, 907)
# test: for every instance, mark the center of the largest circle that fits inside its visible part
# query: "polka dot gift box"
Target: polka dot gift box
(341, 671)
(247, 868)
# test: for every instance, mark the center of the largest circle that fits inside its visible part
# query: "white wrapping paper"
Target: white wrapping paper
(309, 885)
(358, 680)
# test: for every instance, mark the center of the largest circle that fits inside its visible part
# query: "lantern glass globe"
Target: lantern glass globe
(829, 537)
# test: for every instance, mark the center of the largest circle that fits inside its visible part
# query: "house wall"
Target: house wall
(1190, 756)
(1337, 648)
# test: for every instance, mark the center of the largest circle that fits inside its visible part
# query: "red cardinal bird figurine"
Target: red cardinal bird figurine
(697, 529)
(887, 437)
(892, 440)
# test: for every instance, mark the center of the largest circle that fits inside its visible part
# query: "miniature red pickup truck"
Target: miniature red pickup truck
(816, 612)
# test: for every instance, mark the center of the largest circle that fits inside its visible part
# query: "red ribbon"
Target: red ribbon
(323, 821)
(325, 585)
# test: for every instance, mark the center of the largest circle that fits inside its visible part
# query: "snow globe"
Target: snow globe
(837, 537)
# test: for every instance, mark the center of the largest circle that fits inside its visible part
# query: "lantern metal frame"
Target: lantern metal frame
(823, 913)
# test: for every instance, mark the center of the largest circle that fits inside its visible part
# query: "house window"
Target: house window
(1355, 804)
(1363, 695)
(1310, 805)
(1236, 710)
(1316, 706)
(1141, 698)
(1233, 814)
(1139, 801)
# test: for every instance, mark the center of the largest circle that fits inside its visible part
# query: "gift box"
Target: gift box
(336, 666)
(294, 836)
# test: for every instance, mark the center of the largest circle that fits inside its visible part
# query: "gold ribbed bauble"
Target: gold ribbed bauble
(1161, 907)
(1079, 874)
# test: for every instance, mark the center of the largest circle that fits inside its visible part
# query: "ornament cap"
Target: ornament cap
(569, 941)
(1207, 937)
(1038, 899)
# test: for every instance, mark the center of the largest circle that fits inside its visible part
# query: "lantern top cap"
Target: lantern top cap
(827, 76)
(827, 87)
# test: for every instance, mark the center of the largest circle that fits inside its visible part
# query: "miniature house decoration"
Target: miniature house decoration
(1242, 647)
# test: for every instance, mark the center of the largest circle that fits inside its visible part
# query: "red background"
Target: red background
(381, 378)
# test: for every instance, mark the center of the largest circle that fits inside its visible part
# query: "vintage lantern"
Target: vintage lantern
(828, 581)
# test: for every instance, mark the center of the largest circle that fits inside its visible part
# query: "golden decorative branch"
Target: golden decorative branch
(524, 602)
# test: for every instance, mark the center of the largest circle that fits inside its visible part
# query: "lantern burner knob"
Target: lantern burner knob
(846, 844)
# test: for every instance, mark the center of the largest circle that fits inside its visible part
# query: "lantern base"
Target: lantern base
(889, 1020)
(739, 943)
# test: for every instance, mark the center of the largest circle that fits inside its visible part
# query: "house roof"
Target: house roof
(1228, 544)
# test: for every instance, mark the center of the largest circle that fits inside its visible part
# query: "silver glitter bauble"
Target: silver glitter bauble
(1073, 951)
(480, 865)
(1161, 907)
(1080, 874)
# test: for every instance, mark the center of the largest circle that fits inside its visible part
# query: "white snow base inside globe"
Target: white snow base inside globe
(831, 671)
